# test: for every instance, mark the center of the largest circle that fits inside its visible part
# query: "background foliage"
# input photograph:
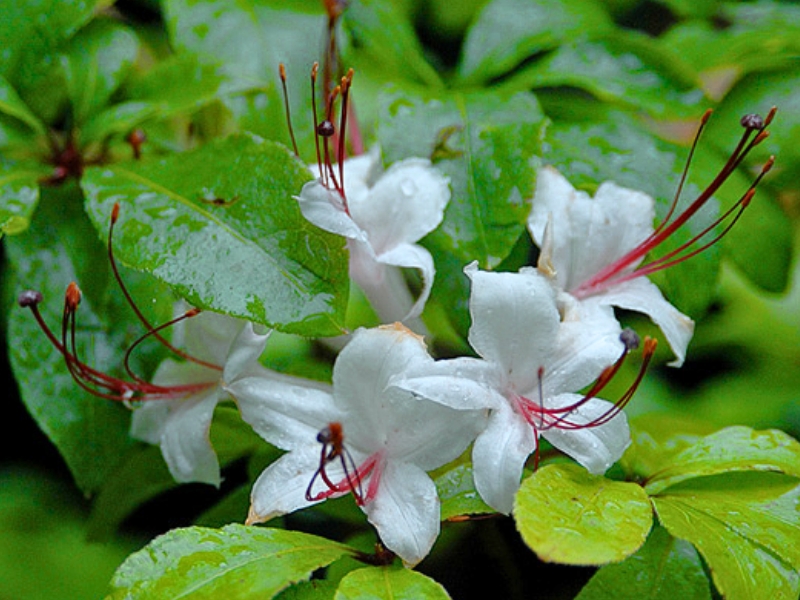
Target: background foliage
(489, 89)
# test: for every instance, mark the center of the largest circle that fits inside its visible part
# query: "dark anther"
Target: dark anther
(630, 338)
(29, 298)
(752, 121)
(325, 129)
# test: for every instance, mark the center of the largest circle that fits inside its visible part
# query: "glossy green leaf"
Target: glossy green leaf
(624, 70)
(664, 568)
(315, 589)
(11, 104)
(90, 433)
(248, 41)
(95, 64)
(567, 515)
(19, 195)
(506, 32)
(487, 144)
(746, 526)
(389, 583)
(236, 561)
(381, 33)
(734, 448)
(220, 225)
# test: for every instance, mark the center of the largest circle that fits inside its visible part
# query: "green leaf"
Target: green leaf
(746, 527)
(663, 569)
(91, 434)
(12, 104)
(380, 33)
(248, 40)
(219, 224)
(236, 561)
(625, 70)
(457, 492)
(487, 144)
(96, 62)
(19, 195)
(506, 32)
(389, 583)
(735, 448)
(567, 515)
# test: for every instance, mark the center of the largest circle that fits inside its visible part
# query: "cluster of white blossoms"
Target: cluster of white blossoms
(539, 336)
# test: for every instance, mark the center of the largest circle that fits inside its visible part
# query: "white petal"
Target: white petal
(462, 383)
(643, 296)
(208, 335)
(587, 234)
(499, 456)
(322, 207)
(596, 448)
(282, 487)
(245, 351)
(148, 420)
(406, 511)
(406, 203)
(185, 440)
(286, 411)
(413, 256)
(588, 342)
(514, 321)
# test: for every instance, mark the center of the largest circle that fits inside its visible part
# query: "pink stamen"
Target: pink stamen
(619, 271)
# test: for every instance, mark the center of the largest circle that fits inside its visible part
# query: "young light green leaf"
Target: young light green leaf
(457, 492)
(96, 62)
(487, 144)
(664, 568)
(220, 225)
(389, 583)
(506, 32)
(735, 448)
(746, 527)
(567, 515)
(236, 561)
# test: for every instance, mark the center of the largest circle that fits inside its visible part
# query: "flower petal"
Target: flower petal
(323, 208)
(595, 447)
(286, 411)
(499, 456)
(406, 203)
(406, 511)
(245, 351)
(587, 234)
(413, 256)
(641, 295)
(185, 442)
(588, 342)
(514, 321)
(282, 487)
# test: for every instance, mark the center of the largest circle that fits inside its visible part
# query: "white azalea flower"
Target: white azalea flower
(228, 348)
(531, 365)
(390, 439)
(585, 243)
(383, 215)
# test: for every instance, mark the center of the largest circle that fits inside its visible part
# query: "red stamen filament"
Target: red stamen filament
(282, 72)
(616, 273)
(332, 440)
(95, 381)
(542, 418)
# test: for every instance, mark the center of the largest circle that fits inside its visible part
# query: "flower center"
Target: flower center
(620, 270)
(334, 450)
